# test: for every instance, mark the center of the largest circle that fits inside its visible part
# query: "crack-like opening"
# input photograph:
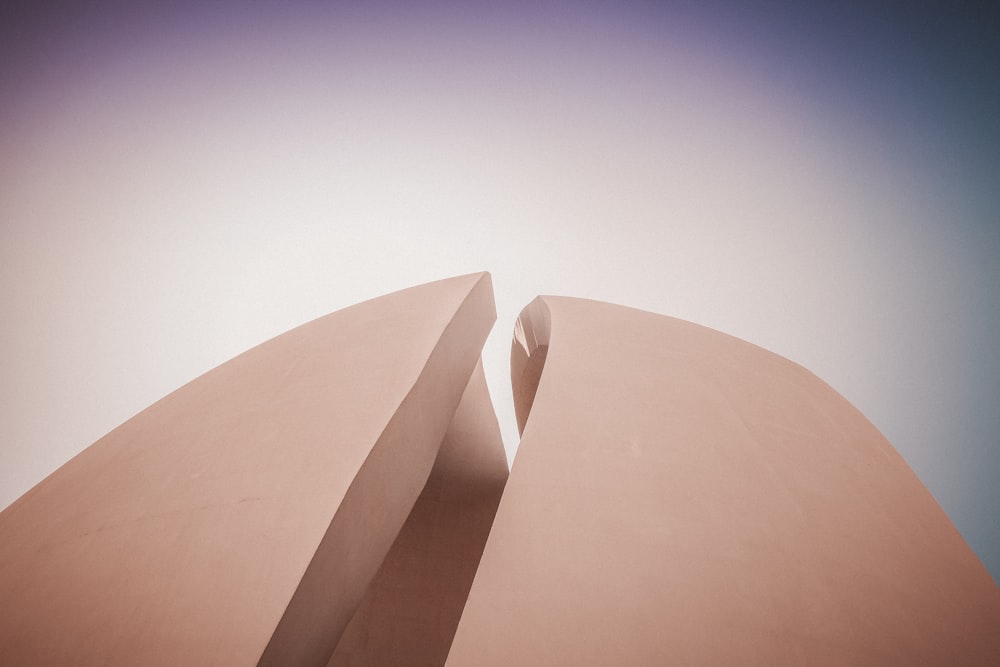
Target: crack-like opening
(528, 353)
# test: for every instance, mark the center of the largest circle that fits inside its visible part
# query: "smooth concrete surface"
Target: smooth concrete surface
(683, 497)
(411, 609)
(338, 496)
(240, 519)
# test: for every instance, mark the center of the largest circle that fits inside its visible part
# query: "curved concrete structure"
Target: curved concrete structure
(679, 497)
(683, 497)
(411, 609)
(240, 519)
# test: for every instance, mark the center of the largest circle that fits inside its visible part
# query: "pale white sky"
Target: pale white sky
(174, 190)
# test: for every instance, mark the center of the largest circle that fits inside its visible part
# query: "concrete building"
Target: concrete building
(682, 497)
(679, 497)
(241, 519)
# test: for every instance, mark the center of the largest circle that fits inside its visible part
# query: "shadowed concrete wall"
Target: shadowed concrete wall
(411, 609)
(241, 518)
(683, 497)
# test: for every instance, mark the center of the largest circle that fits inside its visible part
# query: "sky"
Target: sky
(182, 181)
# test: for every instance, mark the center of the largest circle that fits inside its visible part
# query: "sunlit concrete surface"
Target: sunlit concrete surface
(680, 496)
(239, 520)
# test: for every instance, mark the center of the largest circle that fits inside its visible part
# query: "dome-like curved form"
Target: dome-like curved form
(240, 519)
(679, 497)
(683, 497)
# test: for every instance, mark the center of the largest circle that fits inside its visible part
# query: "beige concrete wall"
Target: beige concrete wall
(241, 518)
(679, 497)
(683, 497)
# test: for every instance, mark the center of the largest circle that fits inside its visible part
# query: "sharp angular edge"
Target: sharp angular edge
(411, 609)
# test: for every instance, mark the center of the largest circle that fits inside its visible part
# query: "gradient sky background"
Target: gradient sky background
(181, 182)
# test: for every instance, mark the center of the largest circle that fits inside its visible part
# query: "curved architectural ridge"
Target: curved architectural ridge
(680, 496)
(381, 495)
(338, 496)
(527, 356)
(241, 518)
(411, 609)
